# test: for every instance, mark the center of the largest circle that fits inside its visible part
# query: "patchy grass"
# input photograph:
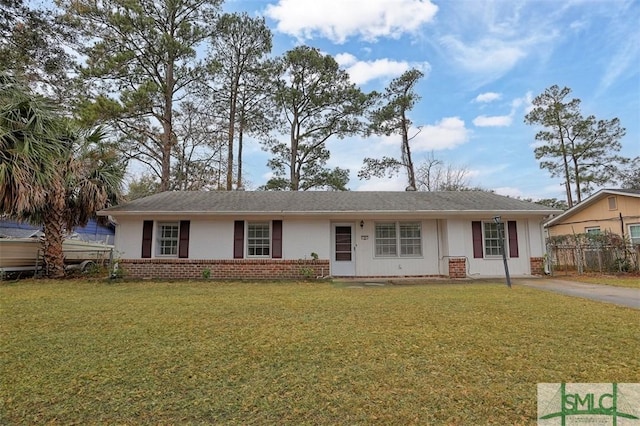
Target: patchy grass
(623, 280)
(298, 353)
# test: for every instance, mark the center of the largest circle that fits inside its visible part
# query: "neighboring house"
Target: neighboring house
(291, 234)
(93, 231)
(615, 211)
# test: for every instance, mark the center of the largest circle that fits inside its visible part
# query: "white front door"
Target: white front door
(343, 259)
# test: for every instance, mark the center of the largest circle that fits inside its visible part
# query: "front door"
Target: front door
(343, 259)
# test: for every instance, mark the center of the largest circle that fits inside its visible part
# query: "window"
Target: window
(386, 239)
(486, 239)
(634, 233)
(168, 235)
(492, 239)
(390, 236)
(258, 239)
(410, 241)
(613, 205)
(594, 230)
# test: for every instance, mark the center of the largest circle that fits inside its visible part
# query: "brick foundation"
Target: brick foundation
(537, 265)
(254, 269)
(457, 267)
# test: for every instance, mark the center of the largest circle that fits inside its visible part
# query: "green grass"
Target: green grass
(627, 280)
(78, 352)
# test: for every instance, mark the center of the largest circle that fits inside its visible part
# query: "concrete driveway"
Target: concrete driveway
(629, 297)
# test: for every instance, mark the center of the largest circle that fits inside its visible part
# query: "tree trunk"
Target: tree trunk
(168, 138)
(406, 153)
(240, 134)
(294, 176)
(578, 182)
(567, 176)
(232, 119)
(54, 235)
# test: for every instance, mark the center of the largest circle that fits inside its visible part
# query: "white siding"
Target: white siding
(367, 264)
(300, 238)
(536, 238)
(212, 238)
(128, 239)
(461, 245)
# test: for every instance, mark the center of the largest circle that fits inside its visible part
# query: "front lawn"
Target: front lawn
(298, 353)
(621, 280)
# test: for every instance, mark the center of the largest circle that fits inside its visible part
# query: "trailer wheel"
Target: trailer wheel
(87, 266)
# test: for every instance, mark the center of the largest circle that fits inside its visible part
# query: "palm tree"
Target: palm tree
(53, 173)
(89, 179)
(28, 145)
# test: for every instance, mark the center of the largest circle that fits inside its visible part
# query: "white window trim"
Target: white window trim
(159, 239)
(259, 256)
(398, 241)
(633, 225)
(505, 237)
(594, 230)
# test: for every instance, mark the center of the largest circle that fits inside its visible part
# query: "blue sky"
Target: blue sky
(484, 61)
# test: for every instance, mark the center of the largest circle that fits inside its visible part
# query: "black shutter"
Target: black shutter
(476, 228)
(238, 239)
(147, 234)
(276, 239)
(183, 246)
(513, 238)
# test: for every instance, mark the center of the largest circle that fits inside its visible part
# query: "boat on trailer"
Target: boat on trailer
(25, 254)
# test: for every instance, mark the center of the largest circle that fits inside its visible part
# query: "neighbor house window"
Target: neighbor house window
(613, 204)
(634, 233)
(406, 236)
(258, 239)
(594, 230)
(168, 237)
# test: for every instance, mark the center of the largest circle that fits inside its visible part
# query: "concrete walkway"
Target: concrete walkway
(629, 297)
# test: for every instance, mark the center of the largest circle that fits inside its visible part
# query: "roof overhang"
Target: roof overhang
(588, 202)
(345, 213)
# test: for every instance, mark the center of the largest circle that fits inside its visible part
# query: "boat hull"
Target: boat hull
(24, 252)
(19, 252)
(77, 251)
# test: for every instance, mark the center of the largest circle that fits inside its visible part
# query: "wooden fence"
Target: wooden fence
(593, 257)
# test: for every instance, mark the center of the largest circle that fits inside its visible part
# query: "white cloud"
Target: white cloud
(448, 133)
(339, 20)
(487, 39)
(509, 191)
(524, 102)
(345, 59)
(362, 72)
(397, 183)
(490, 56)
(488, 97)
(494, 121)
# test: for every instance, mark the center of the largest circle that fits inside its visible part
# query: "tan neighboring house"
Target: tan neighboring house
(615, 211)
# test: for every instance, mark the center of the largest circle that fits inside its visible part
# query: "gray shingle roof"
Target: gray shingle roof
(305, 202)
